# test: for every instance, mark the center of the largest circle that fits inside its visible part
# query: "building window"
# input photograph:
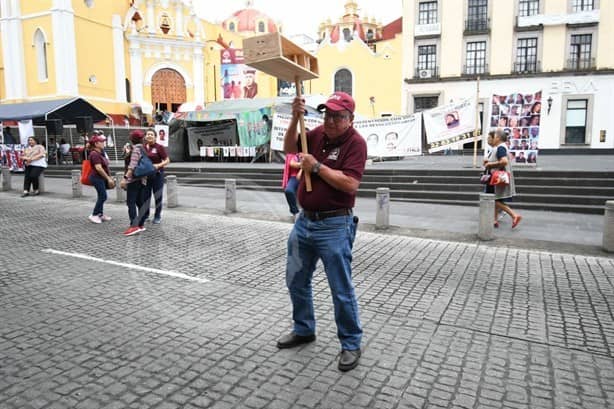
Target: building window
(89, 3)
(582, 5)
(347, 34)
(580, 52)
(476, 58)
(343, 81)
(526, 55)
(231, 27)
(370, 35)
(575, 121)
(261, 28)
(427, 12)
(424, 103)
(528, 8)
(478, 10)
(41, 54)
(427, 57)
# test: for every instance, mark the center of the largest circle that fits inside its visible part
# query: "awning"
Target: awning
(65, 109)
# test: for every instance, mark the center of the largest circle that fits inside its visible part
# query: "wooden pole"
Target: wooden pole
(476, 132)
(301, 121)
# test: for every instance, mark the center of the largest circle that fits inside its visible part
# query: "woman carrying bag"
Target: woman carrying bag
(35, 161)
(100, 178)
(155, 182)
(498, 160)
(135, 187)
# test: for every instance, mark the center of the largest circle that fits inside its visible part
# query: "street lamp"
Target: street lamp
(549, 104)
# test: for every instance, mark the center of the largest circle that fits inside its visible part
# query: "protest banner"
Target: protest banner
(449, 125)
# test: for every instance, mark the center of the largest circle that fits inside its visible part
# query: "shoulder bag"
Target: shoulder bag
(145, 166)
(499, 178)
(86, 170)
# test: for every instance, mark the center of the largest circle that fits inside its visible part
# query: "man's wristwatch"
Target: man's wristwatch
(316, 168)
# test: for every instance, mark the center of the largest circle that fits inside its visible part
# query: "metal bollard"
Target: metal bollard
(6, 179)
(608, 227)
(41, 182)
(171, 191)
(382, 215)
(487, 216)
(77, 189)
(231, 195)
(120, 194)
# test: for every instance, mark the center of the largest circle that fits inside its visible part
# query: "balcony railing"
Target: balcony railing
(475, 69)
(527, 67)
(582, 64)
(477, 25)
(426, 73)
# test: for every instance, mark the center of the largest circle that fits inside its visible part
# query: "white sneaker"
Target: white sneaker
(95, 219)
(106, 218)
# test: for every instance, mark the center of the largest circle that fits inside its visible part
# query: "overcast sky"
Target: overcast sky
(300, 17)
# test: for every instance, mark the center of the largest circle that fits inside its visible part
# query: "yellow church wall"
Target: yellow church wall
(35, 87)
(375, 75)
(31, 7)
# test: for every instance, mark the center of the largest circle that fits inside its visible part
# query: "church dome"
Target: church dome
(250, 21)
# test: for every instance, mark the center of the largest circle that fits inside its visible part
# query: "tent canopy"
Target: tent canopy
(65, 109)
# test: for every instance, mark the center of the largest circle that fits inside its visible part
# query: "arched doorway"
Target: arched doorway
(167, 90)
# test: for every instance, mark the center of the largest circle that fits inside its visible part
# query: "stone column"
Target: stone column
(231, 195)
(382, 215)
(171, 191)
(77, 189)
(120, 194)
(608, 227)
(6, 179)
(41, 183)
(487, 217)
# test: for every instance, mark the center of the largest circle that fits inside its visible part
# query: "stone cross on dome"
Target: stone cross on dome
(249, 4)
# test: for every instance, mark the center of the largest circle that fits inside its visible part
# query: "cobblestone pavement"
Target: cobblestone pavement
(447, 325)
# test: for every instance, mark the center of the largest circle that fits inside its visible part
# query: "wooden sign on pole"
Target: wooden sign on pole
(279, 57)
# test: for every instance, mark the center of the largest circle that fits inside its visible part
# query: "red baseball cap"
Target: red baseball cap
(339, 101)
(97, 138)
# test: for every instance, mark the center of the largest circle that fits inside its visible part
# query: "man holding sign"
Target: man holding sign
(326, 227)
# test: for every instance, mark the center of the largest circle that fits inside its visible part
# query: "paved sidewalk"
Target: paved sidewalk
(447, 324)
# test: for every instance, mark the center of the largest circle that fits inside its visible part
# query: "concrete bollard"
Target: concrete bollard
(171, 191)
(77, 189)
(231, 195)
(41, 183)
(6, 179)
(487, 217)
(382, 215)
(608, 227)
(120, 194)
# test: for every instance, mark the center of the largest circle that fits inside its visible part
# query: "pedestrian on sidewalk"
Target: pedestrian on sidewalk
(34, 159)
(155, 182)
(100, 177)
(498, 159)
(289, 183)
(135, 187)
(326, 227)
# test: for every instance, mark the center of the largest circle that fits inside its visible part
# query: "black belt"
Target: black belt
(315, 216)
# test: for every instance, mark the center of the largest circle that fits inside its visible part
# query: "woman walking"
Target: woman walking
(135, 187)
(35, 161)
(100, 177)
(498, 159)
(155, 183)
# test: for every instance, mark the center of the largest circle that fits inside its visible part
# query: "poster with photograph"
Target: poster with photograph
(449, 125)
(392, 136)
(280, 125)
(162, 135)
(519, 115)
(238, 80)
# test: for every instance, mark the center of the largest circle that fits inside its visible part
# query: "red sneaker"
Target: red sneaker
(132, 230)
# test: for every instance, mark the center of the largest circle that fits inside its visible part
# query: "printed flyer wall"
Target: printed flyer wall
(162, 135)
(392, 136)
(450, 124)
(519, 115)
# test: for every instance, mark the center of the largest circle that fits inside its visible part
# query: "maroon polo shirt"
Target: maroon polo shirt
(347, 153)
(156, 153)
(97, 158)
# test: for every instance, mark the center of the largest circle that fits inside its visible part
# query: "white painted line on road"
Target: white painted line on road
(127, 265)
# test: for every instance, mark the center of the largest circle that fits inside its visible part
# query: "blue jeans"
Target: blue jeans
(101, 190)
(330, 240)
(137, 203)
(290, 193)
(155, 184)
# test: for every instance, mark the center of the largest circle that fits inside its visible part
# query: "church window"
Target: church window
(261, 27)
(89, 3)
(231, 26)
(347, 34)
(40, 46)
(343, 81)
